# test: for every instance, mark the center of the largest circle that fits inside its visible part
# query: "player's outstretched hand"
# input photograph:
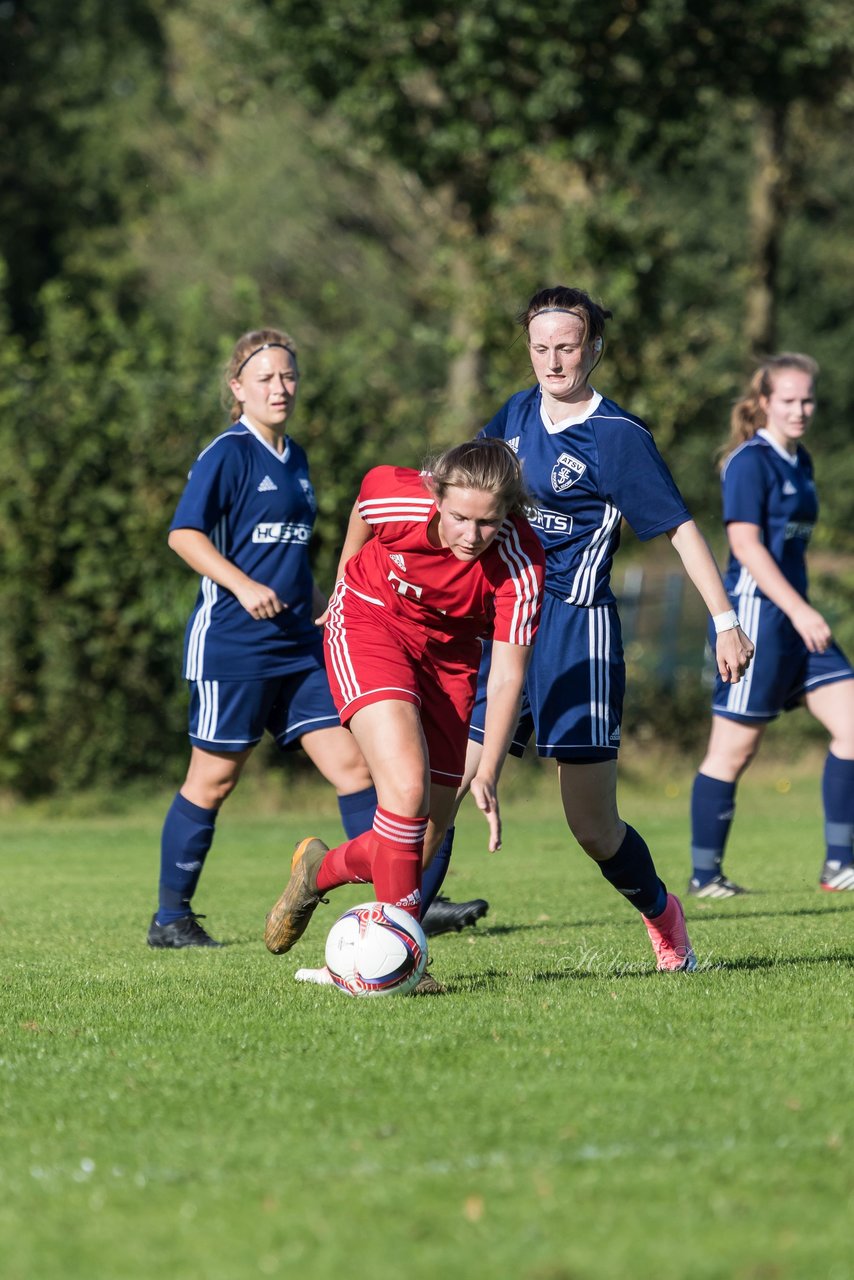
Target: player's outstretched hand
(260, 601)
(322, 620)
(734, 651)
(486, 799)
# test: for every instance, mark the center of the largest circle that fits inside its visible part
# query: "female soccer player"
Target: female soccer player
(588, 464)
(253, 655)
(432, 562)
(770, 508)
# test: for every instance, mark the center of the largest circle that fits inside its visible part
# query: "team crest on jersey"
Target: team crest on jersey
(309, 493)
(398, 560)
(566, 471)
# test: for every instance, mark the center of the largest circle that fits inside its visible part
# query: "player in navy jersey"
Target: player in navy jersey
(588, 465)
(253, 654)
(431, 563)
(770, 508)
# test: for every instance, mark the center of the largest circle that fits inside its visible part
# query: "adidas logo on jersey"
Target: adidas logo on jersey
(615, 735)
(789, 489)
(398, 560)
(513, 442)
(267, 486)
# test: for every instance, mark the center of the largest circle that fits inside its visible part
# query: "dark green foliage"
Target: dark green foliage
(79, 87)
(390, 183)
(91, 601)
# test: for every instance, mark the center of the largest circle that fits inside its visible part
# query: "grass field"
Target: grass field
(563, 1112)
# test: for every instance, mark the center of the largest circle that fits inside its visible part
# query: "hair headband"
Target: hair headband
(265, 347)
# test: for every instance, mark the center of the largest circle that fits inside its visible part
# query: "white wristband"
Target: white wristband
(725, 621)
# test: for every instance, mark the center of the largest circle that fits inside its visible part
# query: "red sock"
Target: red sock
(350, 863)
(396, 867)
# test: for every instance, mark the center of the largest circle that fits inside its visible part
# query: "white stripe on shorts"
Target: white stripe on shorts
(748, 608)
(336, 635)
(208, 691)
(599, 651)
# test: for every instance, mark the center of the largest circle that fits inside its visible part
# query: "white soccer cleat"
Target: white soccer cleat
(320, 977)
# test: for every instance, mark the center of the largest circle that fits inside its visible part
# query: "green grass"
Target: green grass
(562, 1113)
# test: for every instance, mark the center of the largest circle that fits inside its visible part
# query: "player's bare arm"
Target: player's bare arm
(503, 699)
(358, 533)
(750, 551)
(733, 649)
(197, 550)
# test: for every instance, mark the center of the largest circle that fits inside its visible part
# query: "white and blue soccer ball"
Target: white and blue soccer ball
(376, 949)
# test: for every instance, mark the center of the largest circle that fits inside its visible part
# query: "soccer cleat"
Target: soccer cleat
(320, 977)
(669, 937)
(427, 986)
(186, 932)
(836, 878)
(444, 916)
(289, 918)
(717, 887)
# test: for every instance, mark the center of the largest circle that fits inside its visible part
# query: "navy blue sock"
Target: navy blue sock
(837, 793)
(632, 872)
(431, 880)
(357, 812)
(712, 812)
(187, 835)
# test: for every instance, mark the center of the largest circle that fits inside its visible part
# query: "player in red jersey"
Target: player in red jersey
(432, 562)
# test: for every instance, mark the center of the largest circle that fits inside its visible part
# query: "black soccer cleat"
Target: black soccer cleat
(186, 932)
(444, 916)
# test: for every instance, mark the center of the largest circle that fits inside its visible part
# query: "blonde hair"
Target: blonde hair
(748, 416)
(486, 464)
(246, 346)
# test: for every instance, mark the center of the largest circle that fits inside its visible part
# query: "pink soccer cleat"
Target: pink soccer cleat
(669, 937)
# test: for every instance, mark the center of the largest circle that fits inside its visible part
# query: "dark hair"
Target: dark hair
(486, 464)
(561, 297)
(246, 346)
(748, 416)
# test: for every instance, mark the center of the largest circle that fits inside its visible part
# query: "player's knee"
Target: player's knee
(598, 841)
(219, 791)
(410, 798)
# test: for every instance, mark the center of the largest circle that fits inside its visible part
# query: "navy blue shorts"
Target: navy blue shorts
(231, 715)
(783, 670)
(575, 685)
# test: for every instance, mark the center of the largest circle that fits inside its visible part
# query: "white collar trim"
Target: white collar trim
(791, 458)
(280, 457)
(554, 427)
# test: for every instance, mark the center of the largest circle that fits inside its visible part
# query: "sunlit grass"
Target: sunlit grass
(562, 1112)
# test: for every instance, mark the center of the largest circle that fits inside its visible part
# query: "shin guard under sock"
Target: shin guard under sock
(712, 812)
(837, 793)
(632, 872)
(188, 832)
(433, 876)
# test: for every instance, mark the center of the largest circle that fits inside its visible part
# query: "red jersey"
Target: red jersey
(497, 595)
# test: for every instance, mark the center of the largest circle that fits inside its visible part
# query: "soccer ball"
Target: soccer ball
(376, 949)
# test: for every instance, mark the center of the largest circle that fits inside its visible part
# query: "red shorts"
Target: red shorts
(371, 657)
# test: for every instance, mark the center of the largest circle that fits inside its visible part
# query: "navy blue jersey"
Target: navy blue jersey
(766, 486)
(585, 475)
(258, 509)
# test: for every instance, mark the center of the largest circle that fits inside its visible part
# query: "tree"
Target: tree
(77, 85)
(462, 96)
